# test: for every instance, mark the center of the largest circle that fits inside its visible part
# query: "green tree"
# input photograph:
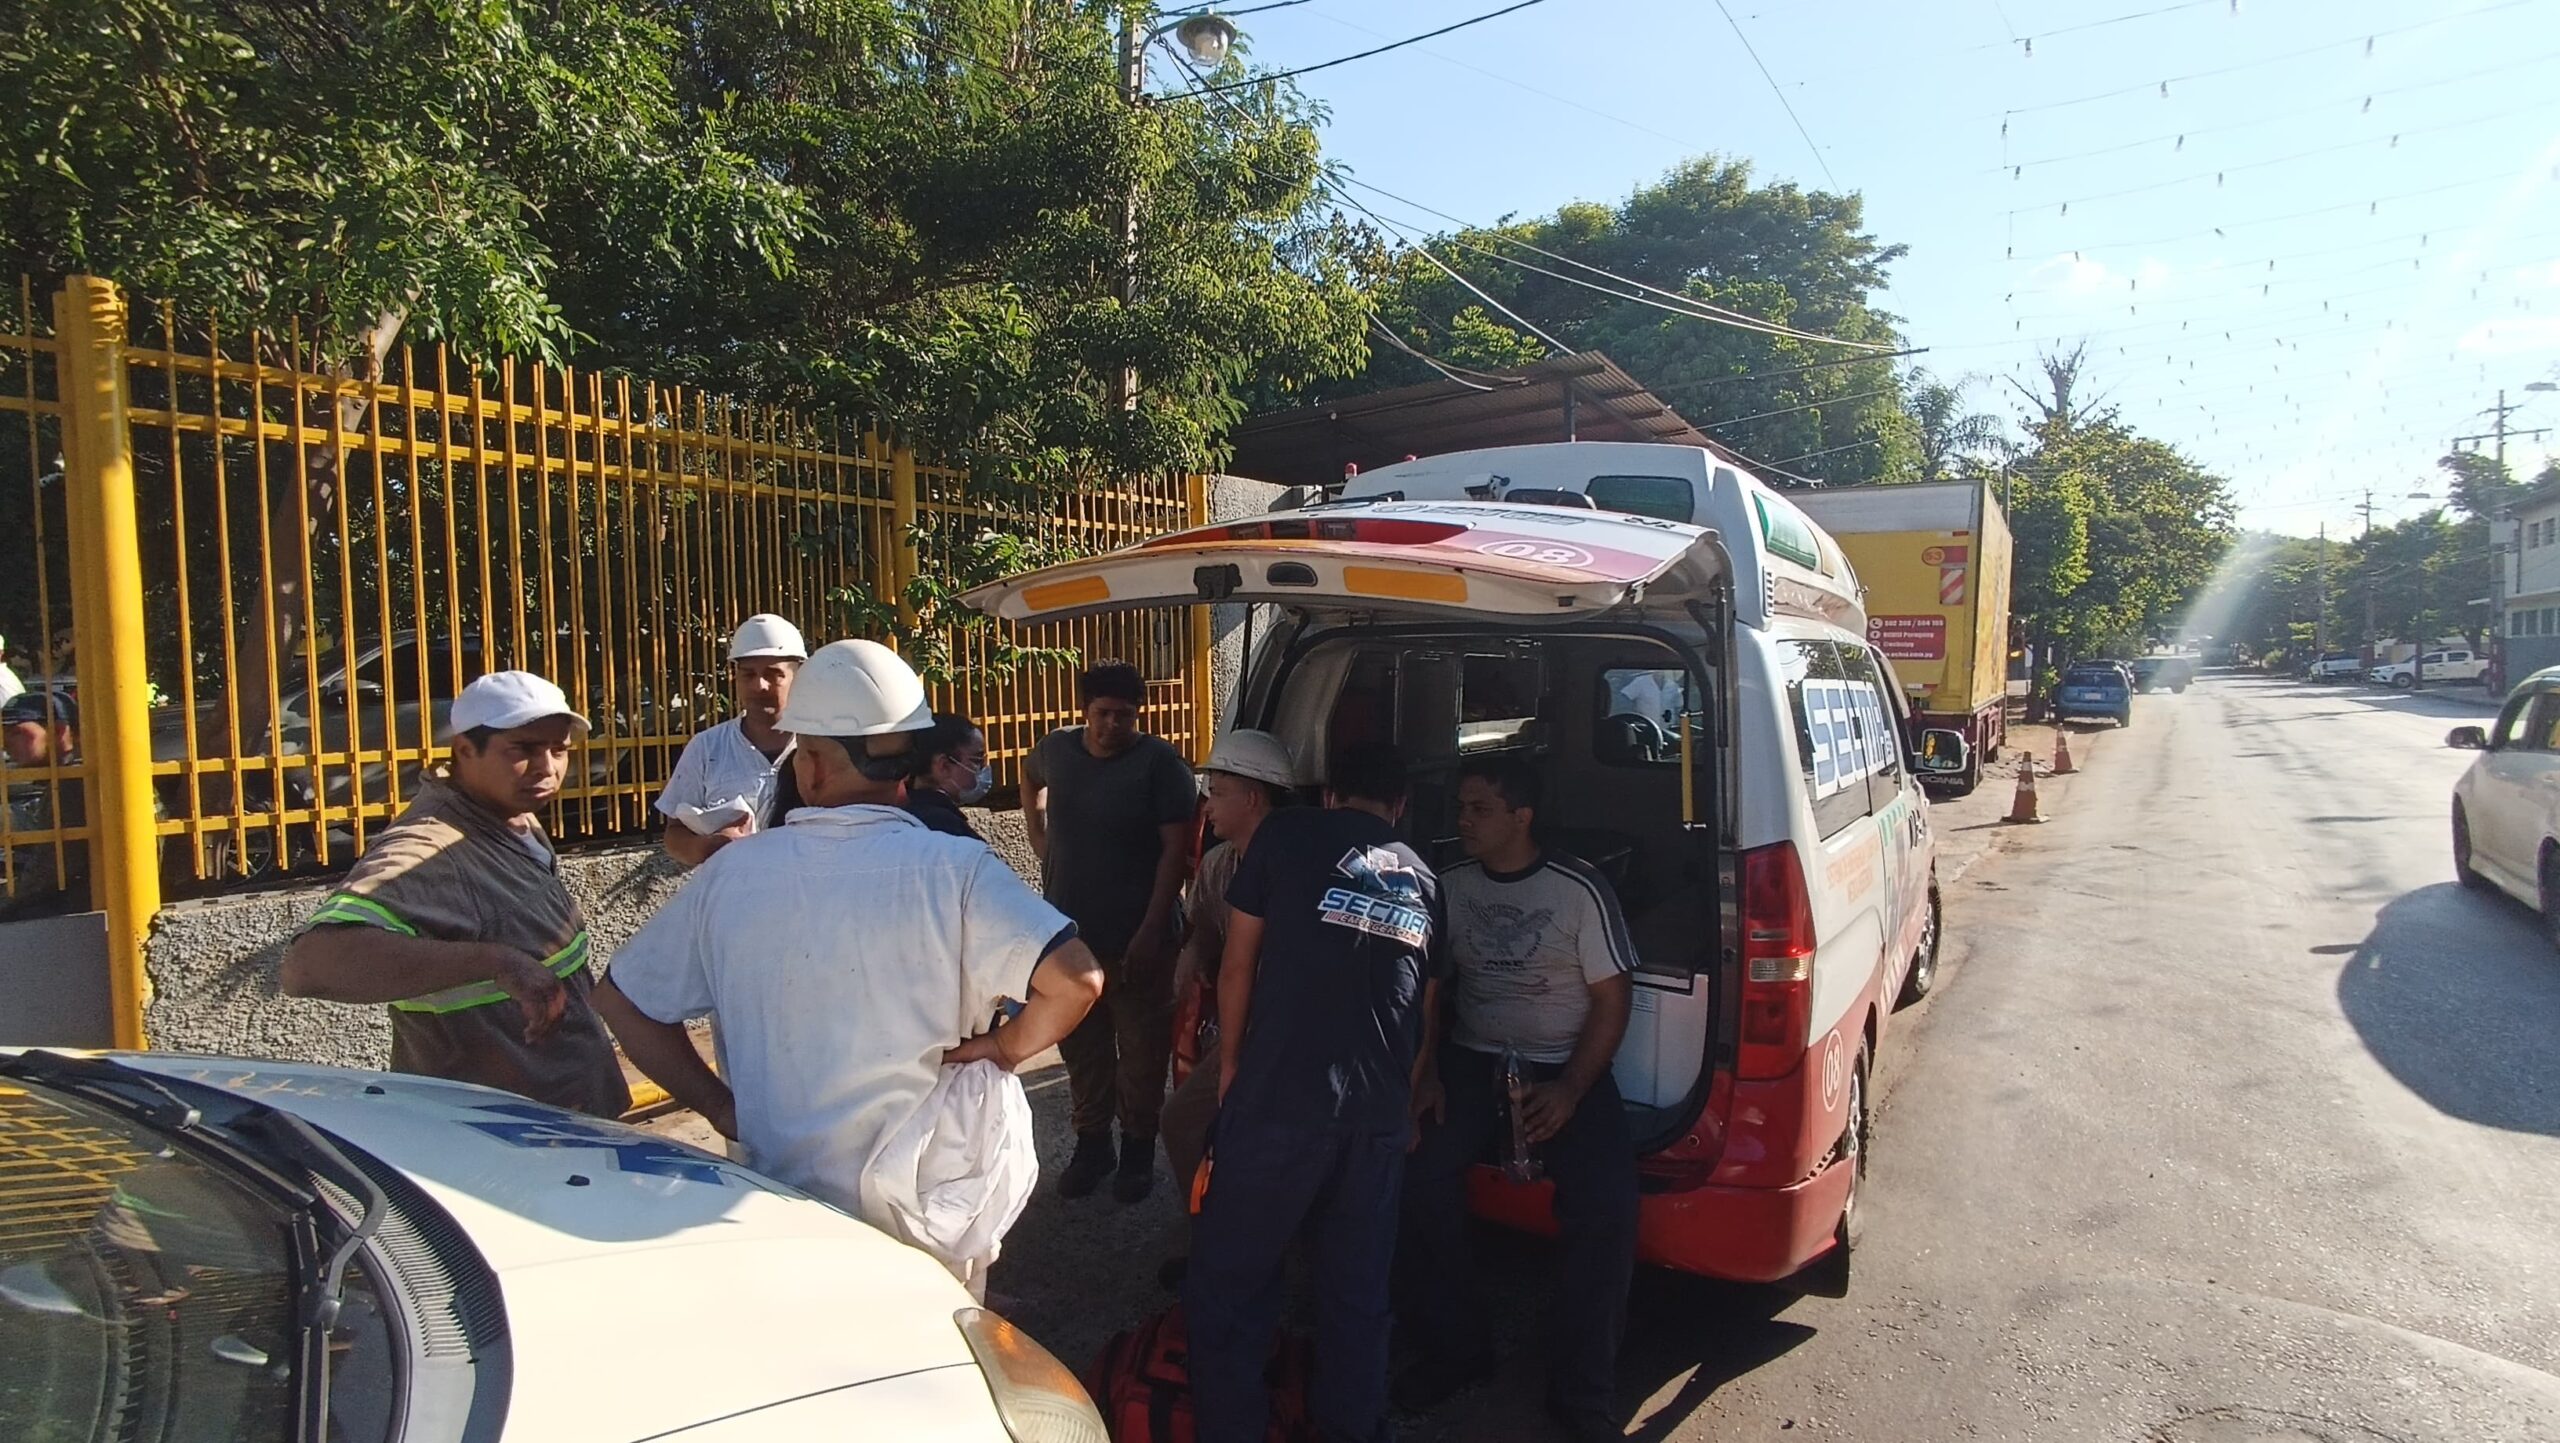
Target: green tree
(2156, 525)
(2478, 485)
(1942, 431)
(1705, 232)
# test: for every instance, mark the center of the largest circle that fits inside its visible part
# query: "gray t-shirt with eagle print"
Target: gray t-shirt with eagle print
(1526, 948)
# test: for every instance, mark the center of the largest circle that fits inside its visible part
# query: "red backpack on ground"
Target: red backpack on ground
(1142, 1384)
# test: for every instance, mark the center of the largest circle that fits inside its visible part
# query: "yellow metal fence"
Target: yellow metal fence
(262, 581)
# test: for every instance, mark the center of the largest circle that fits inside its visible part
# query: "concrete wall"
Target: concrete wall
(213, 963)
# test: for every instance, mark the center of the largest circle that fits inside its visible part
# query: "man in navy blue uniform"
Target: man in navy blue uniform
(1323, 995)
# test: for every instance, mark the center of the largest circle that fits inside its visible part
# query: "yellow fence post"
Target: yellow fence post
(902, 515)
(1204, 700)
(107, 635)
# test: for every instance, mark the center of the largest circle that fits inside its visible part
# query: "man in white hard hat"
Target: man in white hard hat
(456, 916)
(848, 954)
(734, 779)
(1249, 776)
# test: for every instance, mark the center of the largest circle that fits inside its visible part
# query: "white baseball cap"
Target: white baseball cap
(506, 699)
(765, 634)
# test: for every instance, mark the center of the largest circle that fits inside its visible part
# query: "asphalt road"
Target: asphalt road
(2234, 1121)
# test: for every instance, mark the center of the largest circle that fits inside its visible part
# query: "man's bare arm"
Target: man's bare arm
(695, 848)
(1235, 991)
(368, 964)
(1035, 805)
(665, 1054)
(1064, 988)
(1173, 856)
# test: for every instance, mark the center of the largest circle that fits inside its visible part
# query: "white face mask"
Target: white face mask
(981, 783)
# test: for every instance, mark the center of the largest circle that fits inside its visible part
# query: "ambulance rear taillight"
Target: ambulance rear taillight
(1777, 962)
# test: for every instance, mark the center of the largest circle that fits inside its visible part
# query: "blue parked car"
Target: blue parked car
(2098, 689)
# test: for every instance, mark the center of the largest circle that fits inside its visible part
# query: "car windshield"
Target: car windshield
(143, 1293)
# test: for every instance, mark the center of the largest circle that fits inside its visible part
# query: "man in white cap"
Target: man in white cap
(848, 954)
(1249, 776)
(456, 916)
(734, 778)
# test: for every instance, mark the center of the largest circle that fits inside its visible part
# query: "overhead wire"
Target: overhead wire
(1779, 91)
(2163, 83)
(2181, 136)
(2393, 139)
(2029, 41)
(1266, 79)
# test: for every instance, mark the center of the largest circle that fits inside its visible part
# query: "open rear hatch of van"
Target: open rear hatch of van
(1389, 558)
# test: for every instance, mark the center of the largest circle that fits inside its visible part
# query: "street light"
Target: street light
(1207, 38)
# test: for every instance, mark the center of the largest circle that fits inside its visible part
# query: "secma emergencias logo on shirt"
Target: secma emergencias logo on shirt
(1384, 900)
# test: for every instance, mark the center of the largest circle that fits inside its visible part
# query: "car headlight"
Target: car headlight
(1037, 1398)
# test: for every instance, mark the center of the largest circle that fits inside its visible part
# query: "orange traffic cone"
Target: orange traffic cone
(2062, 766)
(2024, 808)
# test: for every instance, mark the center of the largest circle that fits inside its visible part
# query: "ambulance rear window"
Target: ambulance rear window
(1667, 498)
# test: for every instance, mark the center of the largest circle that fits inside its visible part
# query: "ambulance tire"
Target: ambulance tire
(1828, 1276)
(1923, 974)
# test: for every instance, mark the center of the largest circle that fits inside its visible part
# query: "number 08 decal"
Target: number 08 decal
(1545, 553)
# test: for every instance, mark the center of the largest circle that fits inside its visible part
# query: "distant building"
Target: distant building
(2527, 605)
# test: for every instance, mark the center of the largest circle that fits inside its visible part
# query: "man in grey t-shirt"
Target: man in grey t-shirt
(1110, 810)
(1544, 968)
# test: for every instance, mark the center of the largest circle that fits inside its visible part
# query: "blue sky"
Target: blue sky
(2309, 270)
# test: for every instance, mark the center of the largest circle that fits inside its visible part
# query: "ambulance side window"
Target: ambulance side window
(1670, 498)
(1824, 696)
(1880, 713)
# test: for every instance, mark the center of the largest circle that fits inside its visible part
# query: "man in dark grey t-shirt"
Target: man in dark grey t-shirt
(1109, 810)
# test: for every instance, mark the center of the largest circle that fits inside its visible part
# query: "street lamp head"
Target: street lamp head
(2542, 385)
(1206, 38)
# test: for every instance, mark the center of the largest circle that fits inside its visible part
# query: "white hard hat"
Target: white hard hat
(856, 689)
(1254, 755)
(503, 700)
(765, 634)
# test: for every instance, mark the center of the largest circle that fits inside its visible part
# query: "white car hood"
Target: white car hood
(649, 1286)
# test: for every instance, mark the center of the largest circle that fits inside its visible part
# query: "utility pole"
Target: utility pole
(2320, 618)
(2498, 432)
(1133, 90)
(2366, 651)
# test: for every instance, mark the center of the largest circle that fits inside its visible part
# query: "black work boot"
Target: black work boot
(1137, 1175)
(1086, 1170)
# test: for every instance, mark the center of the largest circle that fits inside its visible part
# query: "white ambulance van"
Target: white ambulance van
(1681, 654)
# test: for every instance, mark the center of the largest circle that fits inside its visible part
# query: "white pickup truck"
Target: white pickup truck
(2435, 666)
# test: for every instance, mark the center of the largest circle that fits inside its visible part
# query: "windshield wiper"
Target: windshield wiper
(277, 1136)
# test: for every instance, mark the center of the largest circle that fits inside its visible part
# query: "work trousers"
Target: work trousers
(1187, 1115)
(1117, 1056)
(1267, 1180)
(1593, 1164)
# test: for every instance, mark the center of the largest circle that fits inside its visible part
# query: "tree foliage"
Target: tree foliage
(1705, 231)
(1943, 432)
(2116, 534)
(907, 208)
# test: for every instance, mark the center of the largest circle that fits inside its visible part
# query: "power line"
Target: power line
(2373, 206)
(1365, 54)
(1776, 90)
(2392, 139)
(2029, 41)
(1826, 451)
(2165, 82)
(1741, 318)
(2182, 136)
(1424, 250)
(1807, 406)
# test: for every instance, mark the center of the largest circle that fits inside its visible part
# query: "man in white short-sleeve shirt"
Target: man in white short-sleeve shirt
(849, 954)
(733, 779)
(1543, 968)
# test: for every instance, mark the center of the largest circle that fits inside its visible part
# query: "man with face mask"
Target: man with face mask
(953, 774)
(457, 918)
(847, 955)
(734, 779)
